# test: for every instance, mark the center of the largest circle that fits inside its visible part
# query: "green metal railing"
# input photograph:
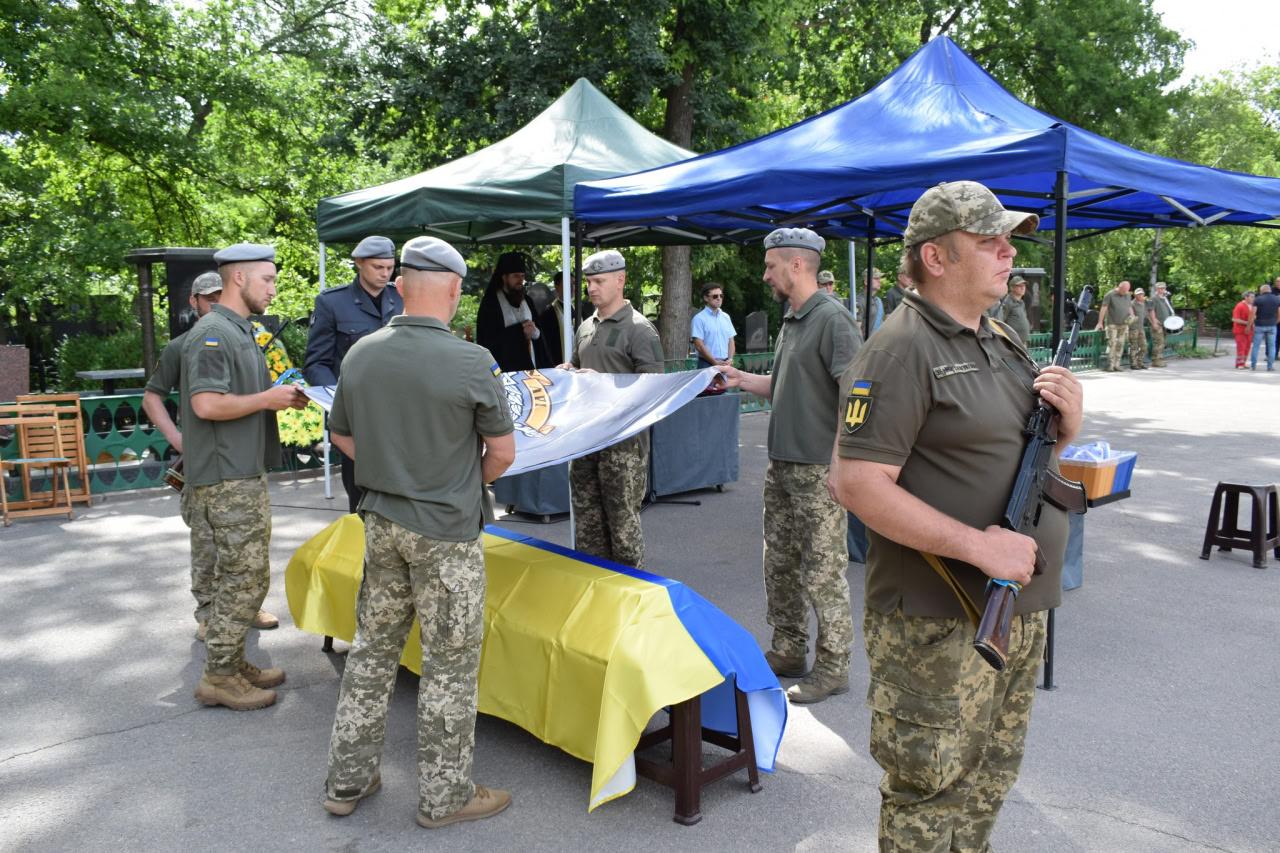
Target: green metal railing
(125, 450)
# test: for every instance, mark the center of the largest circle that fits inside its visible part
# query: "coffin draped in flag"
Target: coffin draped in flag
(578, 651)
(563, 414)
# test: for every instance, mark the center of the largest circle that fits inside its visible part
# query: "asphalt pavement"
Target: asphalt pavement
(1159, 736)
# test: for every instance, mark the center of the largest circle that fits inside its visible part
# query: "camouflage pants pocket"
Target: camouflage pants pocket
(460, 622)
(914, 738)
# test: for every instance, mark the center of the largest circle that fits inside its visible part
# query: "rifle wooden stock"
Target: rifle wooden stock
(173, 475)
(1033, 486)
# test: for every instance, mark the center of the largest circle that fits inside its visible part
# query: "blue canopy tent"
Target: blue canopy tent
(854, 171)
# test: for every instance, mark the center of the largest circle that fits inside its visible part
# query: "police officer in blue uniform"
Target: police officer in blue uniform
(346, 314)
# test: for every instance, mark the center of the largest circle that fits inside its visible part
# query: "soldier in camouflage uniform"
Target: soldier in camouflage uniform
(1116, 313)
(418, 444)
(1138, 332)
(205, 292)
(608, 486)
(805, 549)
(1158, 310)
(938, 394)
(228, 414)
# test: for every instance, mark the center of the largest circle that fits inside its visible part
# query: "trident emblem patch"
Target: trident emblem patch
(857, 407)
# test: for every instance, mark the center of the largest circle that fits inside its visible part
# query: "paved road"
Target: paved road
(1161, 735)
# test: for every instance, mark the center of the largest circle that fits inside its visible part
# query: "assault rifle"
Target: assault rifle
(1034, 484)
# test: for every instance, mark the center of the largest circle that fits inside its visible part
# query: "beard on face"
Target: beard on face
(514, 296)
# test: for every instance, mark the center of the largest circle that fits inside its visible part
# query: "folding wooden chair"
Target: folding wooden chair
(39, 431)
(73, 432)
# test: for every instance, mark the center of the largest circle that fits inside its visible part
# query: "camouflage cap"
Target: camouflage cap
(795, 238)
(1017, 280)
(609, 260)
(206, 283)
(431, 254)
(963, 206)
(826, 277)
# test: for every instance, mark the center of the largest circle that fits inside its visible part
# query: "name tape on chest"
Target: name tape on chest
(942, 371)
(857, 406)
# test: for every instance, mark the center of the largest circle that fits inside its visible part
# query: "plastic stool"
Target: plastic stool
(1223, 532)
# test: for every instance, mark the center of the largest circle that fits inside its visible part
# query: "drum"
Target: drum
(1174, 324)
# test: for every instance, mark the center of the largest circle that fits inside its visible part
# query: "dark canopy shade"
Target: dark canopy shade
(938, 117)
(514, 191)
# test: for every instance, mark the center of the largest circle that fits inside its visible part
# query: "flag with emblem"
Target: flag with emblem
(857, 407)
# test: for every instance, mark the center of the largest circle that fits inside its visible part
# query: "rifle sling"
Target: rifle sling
(971, 610)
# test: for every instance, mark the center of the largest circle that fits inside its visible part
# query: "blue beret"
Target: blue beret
(432, 254)
(606, 261)
(375, 247)
(243, 253)
(795, 238)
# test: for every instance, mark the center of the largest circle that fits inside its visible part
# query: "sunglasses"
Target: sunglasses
(714, 296)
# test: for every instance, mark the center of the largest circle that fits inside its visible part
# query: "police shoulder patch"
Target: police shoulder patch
(857, 406)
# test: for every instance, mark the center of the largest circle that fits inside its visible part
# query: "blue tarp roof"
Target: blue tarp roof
(938, 117)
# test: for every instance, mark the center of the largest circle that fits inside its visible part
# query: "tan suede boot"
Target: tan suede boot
(344, 807)
(817, 686)
(265, 620)
(483, 803)
(233, 691)
(261, 677)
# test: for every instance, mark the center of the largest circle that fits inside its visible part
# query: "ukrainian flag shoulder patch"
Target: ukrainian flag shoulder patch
(211, 342)
(497, 371)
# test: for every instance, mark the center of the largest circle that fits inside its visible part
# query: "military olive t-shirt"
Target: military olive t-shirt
(168, 370)
(1162, 308)
(1116, 306)
(946, 404)
(416, 399)
(816, 344)
(220, 355)
(625, 342)
(1013, 312)
(1140, 314)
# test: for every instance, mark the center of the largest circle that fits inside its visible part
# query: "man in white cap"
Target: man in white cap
(344, 315)
(805, 531)
(206, 290)
(230, 442)
(425, 414)
(930, 440)
(607, 487)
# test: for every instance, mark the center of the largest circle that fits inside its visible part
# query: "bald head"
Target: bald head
(430, 293)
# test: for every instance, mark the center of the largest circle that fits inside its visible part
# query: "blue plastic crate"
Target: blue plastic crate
(1124, 471)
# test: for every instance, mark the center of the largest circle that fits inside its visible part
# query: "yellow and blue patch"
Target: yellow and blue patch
(857, 407)
(211, 342)
(497, 371)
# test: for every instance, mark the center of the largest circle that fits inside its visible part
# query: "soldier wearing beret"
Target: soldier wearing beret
(230, 440)
(607, 486)
(805, 530)
(929, 442)
(425, 414)
(206, 290)
(1013, 311)
(344, 315)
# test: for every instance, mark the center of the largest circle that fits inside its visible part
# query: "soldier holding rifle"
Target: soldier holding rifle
(931, 436)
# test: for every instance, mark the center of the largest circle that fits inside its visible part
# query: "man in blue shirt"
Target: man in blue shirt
(1267, 307)
(712, 329)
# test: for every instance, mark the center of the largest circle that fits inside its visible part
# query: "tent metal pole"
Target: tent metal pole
(566, 286)
(871, 265)
(579, 297)
(328, 484)
(853, 275)
(1059, 260)
(322, 265)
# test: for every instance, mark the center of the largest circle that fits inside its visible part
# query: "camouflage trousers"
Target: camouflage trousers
(1137, 346)
(607, 488)
(238, 515)
(1157, 344)
(806, 556)
(1116, 337)
(204, 554)
(946, 728)
(443, 584)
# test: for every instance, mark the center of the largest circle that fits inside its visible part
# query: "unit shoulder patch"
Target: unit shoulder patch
(857, 406)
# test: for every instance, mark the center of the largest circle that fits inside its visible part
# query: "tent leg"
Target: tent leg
(1059, 259)
(853, 276)
(566, 282)
(322, 265)
(871, 265)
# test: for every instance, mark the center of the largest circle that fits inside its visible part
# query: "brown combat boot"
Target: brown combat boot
(483, 803)
(817, 686)
(787, 666)
(344, 807)
(233, 691)
(261, 677)
(265, 621)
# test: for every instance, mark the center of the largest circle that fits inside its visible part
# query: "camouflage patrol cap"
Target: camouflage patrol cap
(795, 238)
(602, 262)
(963, 206)
(206, 283)
(1017, 280)
(826, 277)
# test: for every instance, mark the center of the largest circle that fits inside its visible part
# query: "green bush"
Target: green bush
(87, 352)
(294, 339)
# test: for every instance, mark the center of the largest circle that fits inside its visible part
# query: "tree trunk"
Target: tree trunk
(677, 272)
(1155, 265)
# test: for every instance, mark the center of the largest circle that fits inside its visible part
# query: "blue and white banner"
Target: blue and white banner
(562, 414)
